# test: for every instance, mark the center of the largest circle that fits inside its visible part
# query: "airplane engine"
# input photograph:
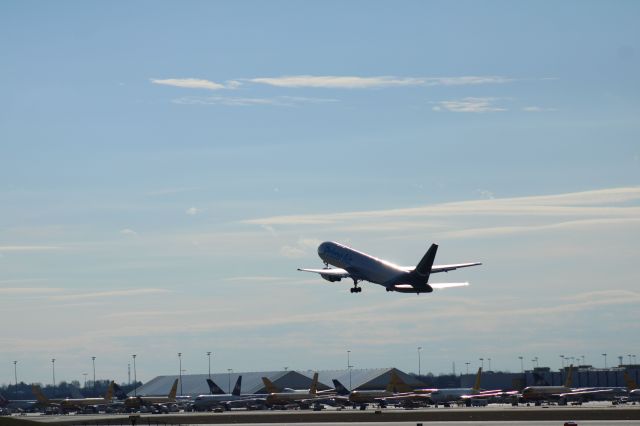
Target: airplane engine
(330, 278)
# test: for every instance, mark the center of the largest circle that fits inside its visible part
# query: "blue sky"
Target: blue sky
(166, 166)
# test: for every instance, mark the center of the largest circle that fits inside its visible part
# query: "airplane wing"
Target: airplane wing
(330, 272)
(489, 394)
(439, 286)
(443, 268)
(447, 268)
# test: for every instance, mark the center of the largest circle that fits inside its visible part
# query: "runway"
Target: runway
(501, 415)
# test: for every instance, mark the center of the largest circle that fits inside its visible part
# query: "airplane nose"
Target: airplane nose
(322, 249)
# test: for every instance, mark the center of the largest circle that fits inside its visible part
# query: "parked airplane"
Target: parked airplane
(360, 266)
(454, 395)
(138, 401)
(562, 394)
(396, 392)
(72, 403)
(225, 400)
(16, 404)
(296, 397)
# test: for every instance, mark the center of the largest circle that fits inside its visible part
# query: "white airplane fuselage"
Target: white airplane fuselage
(363, 266)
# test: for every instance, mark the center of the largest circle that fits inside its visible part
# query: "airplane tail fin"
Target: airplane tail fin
(314, 384)
(340, 389)
(118, 392)
(236, 388)
(396, 384)
(39, 395)
(269, 386)
(423, 269)
(476, 385)
(174, 391)
(631, 384)
(214, 389)
(569, 381)
(108, 396)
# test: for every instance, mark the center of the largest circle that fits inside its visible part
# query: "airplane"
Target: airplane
(396, 392)
(17, 405)
(447, 396)
(225, 400)
(67, 404)
(561, 394)
(138, 401)
(633, 392)
(291, 397)
(358, 266)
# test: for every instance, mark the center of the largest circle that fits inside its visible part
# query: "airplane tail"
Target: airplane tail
(236, 388)
(476, 385)
(39, 395)
(269, 386)
(314, 384)
(396, 384)
(423, 269)
(631, 384)
(569, 381)
(118, 392)
(108, 396)
(340, 389)
(215, 389)
(174, 391)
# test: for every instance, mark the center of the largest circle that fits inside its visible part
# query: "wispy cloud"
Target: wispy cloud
(538, 109)
(562, 211)
(193, 211)
(129, 232)
(357, 82)
(286, 101)
(113, 293)
(469, 104)
(31, 291)
(19, 248)
(195, 83)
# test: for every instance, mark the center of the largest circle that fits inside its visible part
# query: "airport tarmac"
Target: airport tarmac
(499, 415)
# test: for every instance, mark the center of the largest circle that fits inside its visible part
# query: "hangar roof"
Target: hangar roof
(195, 384)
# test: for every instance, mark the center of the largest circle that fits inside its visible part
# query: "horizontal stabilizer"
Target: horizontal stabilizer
(439, 286)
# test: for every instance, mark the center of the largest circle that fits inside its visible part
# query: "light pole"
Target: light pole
(229, 370)
(582, 356)
(535, 359)
(521, 364)
(482, 363)
(93, 360)
(53, 370)
(467, 366)
(180, 371)
(129, 373)
(629, 355)
(135, 377)
(605, 360)
(15, 372)
(419, 360)
(85, 380)
(209, 355)
(349, 367)
(562, 360)
(489, 359)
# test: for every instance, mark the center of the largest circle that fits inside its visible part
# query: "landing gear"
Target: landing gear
(355, 288)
